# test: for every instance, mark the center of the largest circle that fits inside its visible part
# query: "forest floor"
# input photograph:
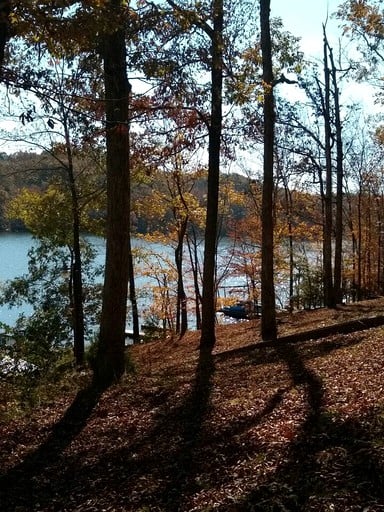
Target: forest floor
(290, 426)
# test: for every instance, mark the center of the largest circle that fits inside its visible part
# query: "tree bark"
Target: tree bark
(337, 271)
(208, 337)
(182, 315)
(131, 269)
(110, 364)
(133, 295)
(194, 260)
(268, 303)
(329, 297)
(76, 266)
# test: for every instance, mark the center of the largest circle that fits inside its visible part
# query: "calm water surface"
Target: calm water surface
(14, 249)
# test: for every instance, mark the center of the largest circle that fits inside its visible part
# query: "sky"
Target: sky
(304, 18)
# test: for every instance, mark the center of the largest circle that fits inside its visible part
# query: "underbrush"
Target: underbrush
(22, 391)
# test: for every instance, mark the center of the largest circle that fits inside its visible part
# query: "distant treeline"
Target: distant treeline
(33, 171)
(22, 170)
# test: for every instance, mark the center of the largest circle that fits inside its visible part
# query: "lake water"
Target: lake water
(14, 249)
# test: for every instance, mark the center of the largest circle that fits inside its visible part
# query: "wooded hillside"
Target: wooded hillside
(295, 427)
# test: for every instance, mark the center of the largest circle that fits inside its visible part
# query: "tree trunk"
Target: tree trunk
(329, 298)
(131, 271)
(110, 361)
(194, 260)
(359, 245)
(289, 209)
(207, 340)
(132, 295)
(77, 279)
(268, 303)
(337, 272)
(181, 316)
(76, 265)
(380, 244)
(5, 9)
(368, 247)
(353, 284)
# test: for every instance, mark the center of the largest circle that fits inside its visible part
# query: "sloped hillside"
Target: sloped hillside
(284, 427)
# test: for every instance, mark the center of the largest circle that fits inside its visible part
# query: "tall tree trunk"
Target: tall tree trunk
(76, 274)
(133, 295)
(380, 244)
(78, 313)
(268, 302)
(329, 297)
(354, 245)
(110, 361)
(337, 272)
(289, 209)
(208, 337)
(194, 260)
(182, 221)
(76, 270)
(359, 245)
(181, 316)
(131, 270)
(368, 247)
(5, 9)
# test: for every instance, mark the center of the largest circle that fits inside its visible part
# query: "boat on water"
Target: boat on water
(242, 310)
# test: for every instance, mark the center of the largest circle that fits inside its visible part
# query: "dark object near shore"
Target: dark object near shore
(244, 310)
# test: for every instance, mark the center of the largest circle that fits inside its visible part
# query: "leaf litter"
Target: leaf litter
(285, 427)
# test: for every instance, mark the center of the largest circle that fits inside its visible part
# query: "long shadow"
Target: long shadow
(306, 482)
(302, 375)
(279, 493)
(341, 328)
(18, 488)
(195, 409)
(196, 442)
(172, 452)
(167, 455)
(261, 355)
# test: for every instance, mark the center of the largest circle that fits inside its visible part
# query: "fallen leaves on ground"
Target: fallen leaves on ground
(296, 427)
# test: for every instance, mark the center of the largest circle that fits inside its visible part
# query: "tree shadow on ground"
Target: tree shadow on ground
(50, 479)
(165, 459)
(272, 353)
(185, 464)
(332, 465)
(19, 489)
(167, 464)
(164, 469)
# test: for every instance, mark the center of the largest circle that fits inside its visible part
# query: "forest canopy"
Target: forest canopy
(188, 121)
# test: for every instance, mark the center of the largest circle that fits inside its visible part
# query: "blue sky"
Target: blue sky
(304, 18)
